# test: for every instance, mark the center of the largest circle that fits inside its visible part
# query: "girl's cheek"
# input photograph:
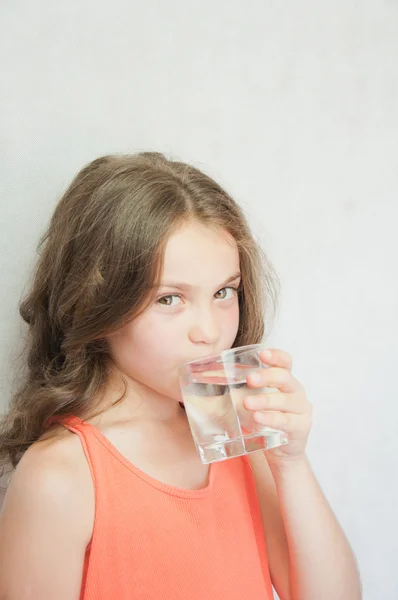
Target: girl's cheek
(231, 321)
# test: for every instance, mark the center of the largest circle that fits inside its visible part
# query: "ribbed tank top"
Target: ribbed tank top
(154, 541)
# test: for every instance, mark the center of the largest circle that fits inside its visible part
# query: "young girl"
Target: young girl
(148, 263)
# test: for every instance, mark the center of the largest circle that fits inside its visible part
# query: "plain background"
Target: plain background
(293, 107)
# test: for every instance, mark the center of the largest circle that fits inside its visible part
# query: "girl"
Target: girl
(148, 263)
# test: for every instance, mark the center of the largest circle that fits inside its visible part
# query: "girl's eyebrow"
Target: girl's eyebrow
(187, 286)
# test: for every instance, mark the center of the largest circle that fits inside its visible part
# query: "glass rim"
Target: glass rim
(219, 356)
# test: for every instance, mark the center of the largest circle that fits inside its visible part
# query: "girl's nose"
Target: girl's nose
(204, 329)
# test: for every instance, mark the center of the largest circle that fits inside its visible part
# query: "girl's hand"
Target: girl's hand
(290, 410)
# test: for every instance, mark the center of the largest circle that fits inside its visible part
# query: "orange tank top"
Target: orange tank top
(152, 540)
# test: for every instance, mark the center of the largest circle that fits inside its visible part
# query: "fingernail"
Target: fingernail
(250, 402)
(267, 354)
(255, 377)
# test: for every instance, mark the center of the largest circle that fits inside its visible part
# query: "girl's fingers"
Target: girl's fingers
(277, 358)
(293, 403)
(274, 377)
(287, 422)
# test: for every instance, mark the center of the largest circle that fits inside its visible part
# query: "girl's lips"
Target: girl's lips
(206, 366)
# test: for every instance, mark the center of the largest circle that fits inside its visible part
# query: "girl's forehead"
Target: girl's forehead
(194, 249)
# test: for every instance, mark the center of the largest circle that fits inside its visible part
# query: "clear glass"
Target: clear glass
(213, 389)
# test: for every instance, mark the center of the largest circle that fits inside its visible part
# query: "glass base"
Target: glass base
(223, 449)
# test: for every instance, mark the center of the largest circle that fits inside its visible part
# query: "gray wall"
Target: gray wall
(294, 107)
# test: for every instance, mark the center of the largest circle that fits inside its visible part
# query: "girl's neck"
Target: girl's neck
(139, 404)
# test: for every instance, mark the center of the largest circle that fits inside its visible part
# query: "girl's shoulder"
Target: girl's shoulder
(46, 520)
(59, 457)
(54, 473)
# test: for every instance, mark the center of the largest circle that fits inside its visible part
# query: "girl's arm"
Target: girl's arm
(309, 555)
(44, 526)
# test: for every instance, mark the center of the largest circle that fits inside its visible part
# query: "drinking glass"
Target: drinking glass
(213, 389)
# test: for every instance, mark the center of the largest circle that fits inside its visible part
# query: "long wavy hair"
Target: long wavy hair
(98, 261)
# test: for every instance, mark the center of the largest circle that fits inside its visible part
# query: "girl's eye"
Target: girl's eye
(224, 295)
(168, 300)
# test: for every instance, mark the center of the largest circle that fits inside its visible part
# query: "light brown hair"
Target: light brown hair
(99, 259)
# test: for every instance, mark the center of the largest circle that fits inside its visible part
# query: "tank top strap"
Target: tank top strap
(71, 421)
(79, 427)
(75, 425)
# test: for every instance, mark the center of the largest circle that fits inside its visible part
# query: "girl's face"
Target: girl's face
(196, 311)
